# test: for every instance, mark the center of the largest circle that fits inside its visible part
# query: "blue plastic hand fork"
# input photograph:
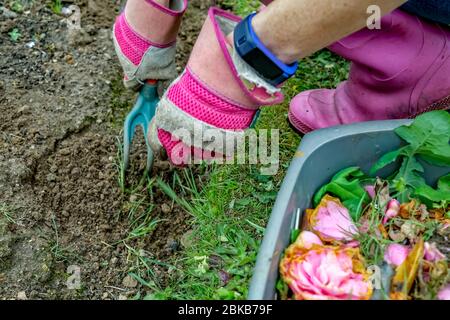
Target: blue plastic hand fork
(141, 115)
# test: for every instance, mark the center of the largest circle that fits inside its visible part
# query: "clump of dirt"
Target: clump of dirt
(61, 203)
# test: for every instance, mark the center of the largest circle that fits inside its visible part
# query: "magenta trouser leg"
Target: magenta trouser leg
(399, 71)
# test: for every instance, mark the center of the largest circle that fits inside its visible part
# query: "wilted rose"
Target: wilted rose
(432, 253)
(444, 293)
(392, 210)
(396, 254)
(325, 272)
(331, 221)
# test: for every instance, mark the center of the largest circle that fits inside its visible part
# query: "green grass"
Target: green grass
(56, 6)
(8, 213)
(59, 252)
(230, 210)
(16, 6)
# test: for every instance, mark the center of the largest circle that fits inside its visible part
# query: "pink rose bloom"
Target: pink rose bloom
(331, 221)
(444, 293)
(396, 254)
(325, 273)
(432, 253)
(392, 210)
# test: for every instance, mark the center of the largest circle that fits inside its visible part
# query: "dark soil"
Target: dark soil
(61, 109)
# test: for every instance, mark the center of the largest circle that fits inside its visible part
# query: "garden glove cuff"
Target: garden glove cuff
(148, 58)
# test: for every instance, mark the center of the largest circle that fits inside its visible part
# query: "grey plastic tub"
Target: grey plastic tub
(320, 155)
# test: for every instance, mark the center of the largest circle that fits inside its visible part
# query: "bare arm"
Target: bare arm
(294, 29)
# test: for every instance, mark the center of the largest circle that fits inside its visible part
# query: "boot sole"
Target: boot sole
(297, 125)
(443, 104)
(301, 128)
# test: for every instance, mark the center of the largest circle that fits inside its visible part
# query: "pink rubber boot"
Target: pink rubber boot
(144, 37)
(399, 71)
(208, 99)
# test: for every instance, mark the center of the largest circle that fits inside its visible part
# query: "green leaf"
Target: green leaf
(409, 177)
(388, 158)
(430, 195)
(411, 173)
(355, 207)
(282, 289)
(428, 136)
(16, 6)
(294, 235)
(266, 197)
(444, 183)
(352, 206)
(346, 185)
(225, 294)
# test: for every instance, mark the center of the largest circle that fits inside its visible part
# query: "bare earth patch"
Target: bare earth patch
(61, 109)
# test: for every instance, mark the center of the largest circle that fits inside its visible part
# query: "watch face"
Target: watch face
(261, 63)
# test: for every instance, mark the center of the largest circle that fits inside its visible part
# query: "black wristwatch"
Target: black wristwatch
(254, 52)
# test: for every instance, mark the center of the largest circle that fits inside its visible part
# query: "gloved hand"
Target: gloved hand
(210, 98)
(152, 56)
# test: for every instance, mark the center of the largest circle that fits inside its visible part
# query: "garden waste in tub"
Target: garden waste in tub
(373, 238)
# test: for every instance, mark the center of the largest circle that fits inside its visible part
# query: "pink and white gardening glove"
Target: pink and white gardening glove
(208, 107)
(144, 36)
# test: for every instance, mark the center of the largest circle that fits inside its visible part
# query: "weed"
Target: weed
(56, 6)
(60, 253)
(14, 35)
(142, 230)
(8, 213)
(16, 6)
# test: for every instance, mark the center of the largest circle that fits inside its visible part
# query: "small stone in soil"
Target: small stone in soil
(114, 261)
(129, 282)
(8, 14)
(224, 277)
(172, 245)
(186, 239)
(22, 295)
(166, 208)
(215, 261)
